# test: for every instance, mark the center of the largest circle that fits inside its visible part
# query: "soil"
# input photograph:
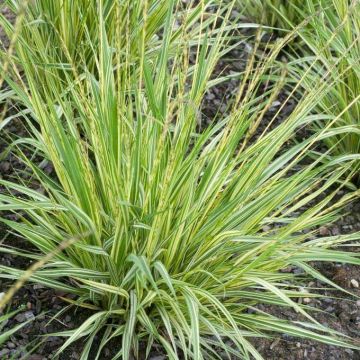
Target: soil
(339, 311)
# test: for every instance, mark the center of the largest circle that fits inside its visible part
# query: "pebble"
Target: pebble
(329, 309)
(38, 286)
(24, 336)
(41, 317)
(10, 345)
(38, 306)
(328, 300)
(36, 357)
(40, 190)
(3, 353)
(275, 342)
(323, 231)
(5, 166)
(20, 317)
(43, 164)
(307, 300)
(275, 104)
(29, 315)
(354, 283)
(298, 271)
(358, 303)
(24, 316)
(335, 230)
(210, 96)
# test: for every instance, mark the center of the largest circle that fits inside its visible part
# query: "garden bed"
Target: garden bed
(339, 311)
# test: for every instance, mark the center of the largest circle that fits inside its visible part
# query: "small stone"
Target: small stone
(288, 269)
(358, 303)
(298, 344)
(323, 231)
(20, 317)
(40, 190)
(24, 336)
(43, 164)
(10, 345)
(354, 283)
(298, 271)
(329, 309)
(307, 300)
(335, 230)
(38, 286)
(29, 315)
(328, 300)
(3, 353)
(41, 317)
(274, 343)
(38, 306)
(210, 96)
(275, 104)
(5, 166)
(36, 357)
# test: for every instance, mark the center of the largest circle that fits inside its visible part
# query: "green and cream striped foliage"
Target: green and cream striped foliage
(179, 232)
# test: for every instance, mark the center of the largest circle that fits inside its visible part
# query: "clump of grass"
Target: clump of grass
(327, 46)
(332, 42)
(182, 232)
(281, 14)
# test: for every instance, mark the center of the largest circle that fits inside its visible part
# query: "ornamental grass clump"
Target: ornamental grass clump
(280, 14)
(326, 45)
(178, 232)
(332, 48)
